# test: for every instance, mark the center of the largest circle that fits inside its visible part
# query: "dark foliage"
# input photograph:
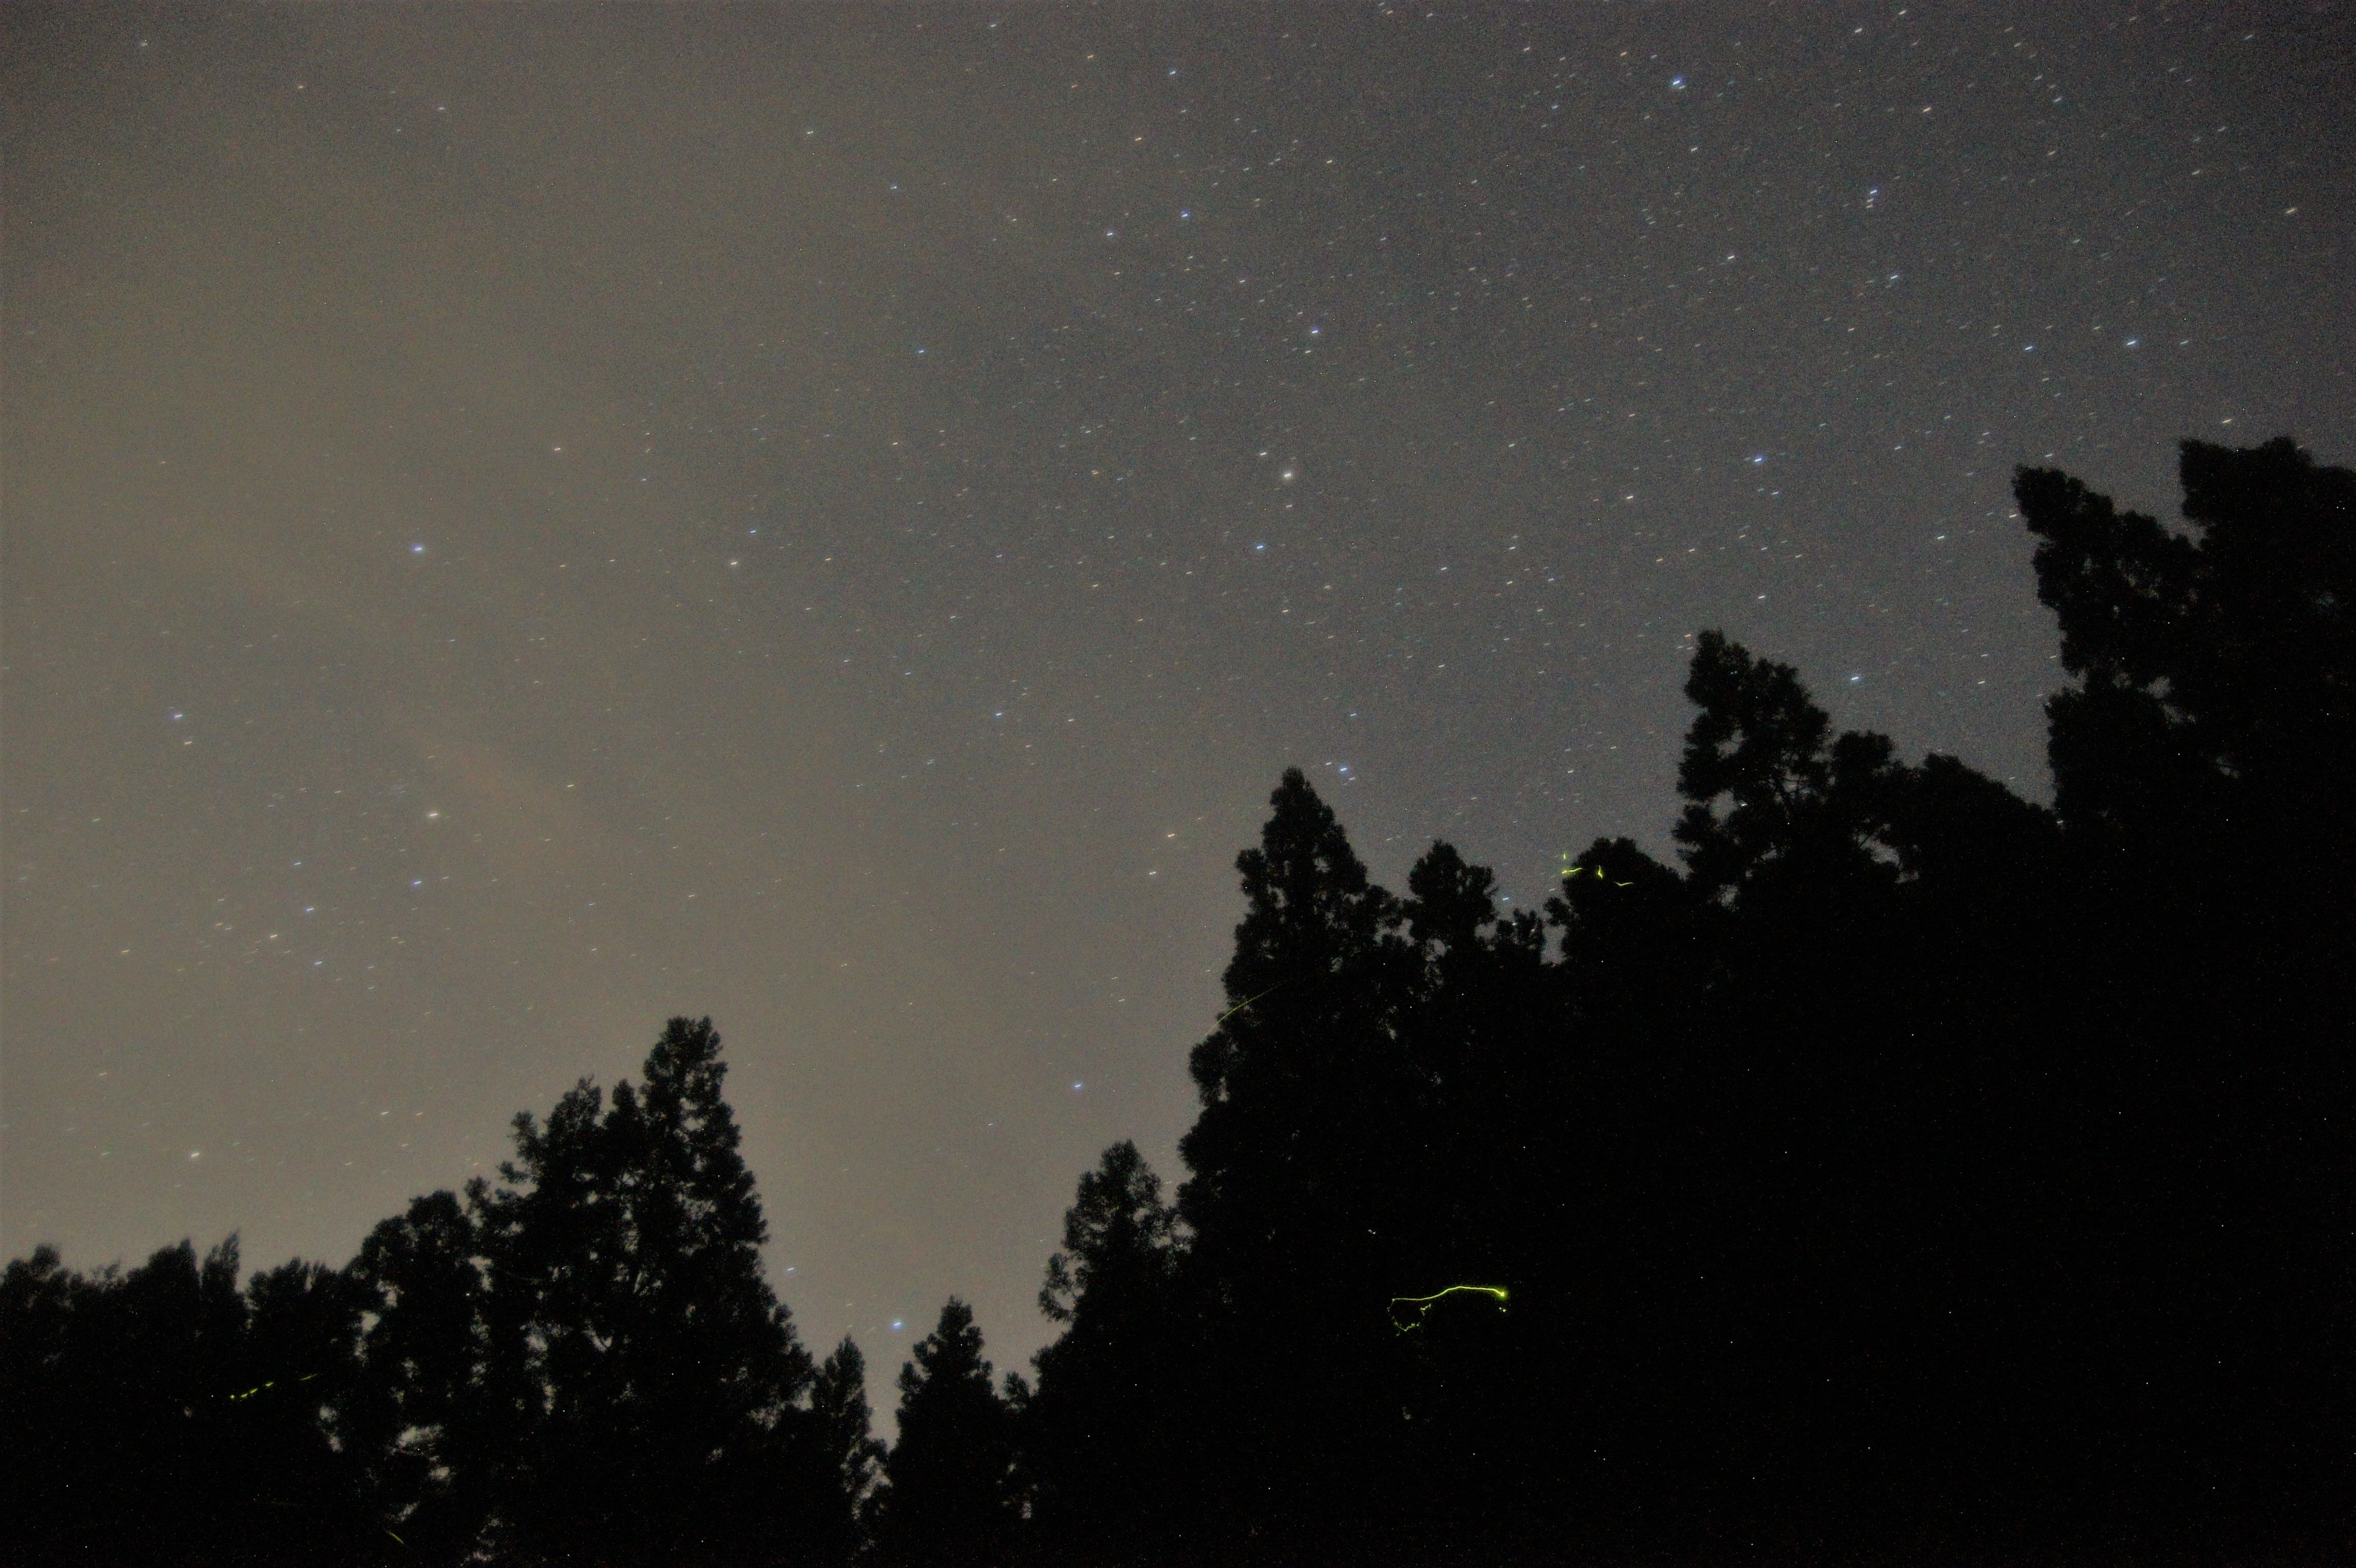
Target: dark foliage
(1920, 1171)
(656, 1388)
(165, 1415)
(1915, 1174)
(948, 1500)
(1101, 1439)
(839, 1401)
(582, 1367)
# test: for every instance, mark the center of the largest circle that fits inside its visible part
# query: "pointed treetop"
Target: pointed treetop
(1116, 1224)
(1312, 909)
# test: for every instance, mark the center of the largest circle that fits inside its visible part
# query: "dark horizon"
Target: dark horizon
(1913, 1173)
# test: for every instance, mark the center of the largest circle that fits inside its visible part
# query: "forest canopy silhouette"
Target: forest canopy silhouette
(1910, 1169)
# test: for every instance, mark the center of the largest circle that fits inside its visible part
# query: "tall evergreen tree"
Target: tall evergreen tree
(948, 1498)
(424, 1416)
(1483, 1165)
(664, 1393)
(839, 1402)
(1119, 1241)
(1100, 1436)
(2214, 712)
(1302, 1069)
(1296, 1164)
(1797, 809)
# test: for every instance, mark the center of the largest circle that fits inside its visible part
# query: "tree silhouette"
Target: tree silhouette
(2201, 772)
(947, 1497)
(1917, 1173)
(1100, 1437)
(1295, 1166)
(1798, 813)
(424, 1416)
(1118, 1240)
(1482, 1047)
(582, 1366)
(298, 1367)
(839, 1402)
(665, 1394)
(162, 1416)
(1305, 1014)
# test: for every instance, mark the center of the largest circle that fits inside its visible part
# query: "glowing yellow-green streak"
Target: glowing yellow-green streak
(1246, 1003)
(1496, 1291)
(271, 1384)
(1424, 1304)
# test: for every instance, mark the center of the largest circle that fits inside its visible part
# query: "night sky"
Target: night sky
(523, 521)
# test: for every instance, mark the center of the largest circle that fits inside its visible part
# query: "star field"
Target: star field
(526, 522)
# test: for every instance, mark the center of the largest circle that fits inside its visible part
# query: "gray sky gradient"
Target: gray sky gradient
(521, 521)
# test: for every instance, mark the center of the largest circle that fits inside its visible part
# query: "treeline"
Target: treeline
(582, 1365)
(1913, 1172)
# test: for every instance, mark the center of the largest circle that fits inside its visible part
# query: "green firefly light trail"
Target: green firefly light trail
(272, 1384)
(1248, 1001)
(1424, 1304)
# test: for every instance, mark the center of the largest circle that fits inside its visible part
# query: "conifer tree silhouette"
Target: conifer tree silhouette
(1917, 1171)
(948, 1498)
(838, 1400)
(1100, 1437)
(433, 1429)
(665, 1395)
(1304, 1084)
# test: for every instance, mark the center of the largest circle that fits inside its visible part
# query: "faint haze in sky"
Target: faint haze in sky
(526, 522)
